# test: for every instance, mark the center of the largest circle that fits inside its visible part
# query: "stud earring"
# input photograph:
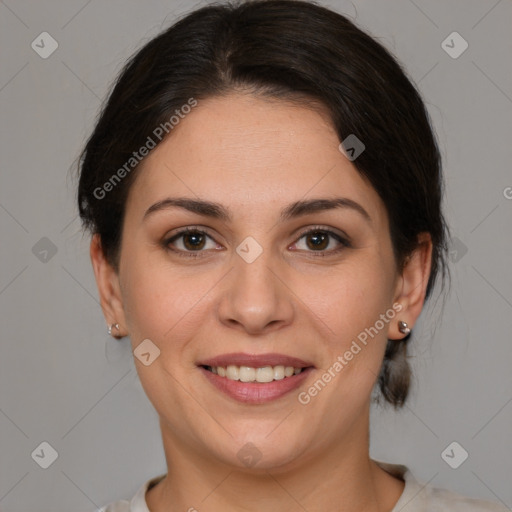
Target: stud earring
(403, 327)
(113, 326)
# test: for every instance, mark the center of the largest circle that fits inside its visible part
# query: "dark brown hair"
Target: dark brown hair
(292, 50)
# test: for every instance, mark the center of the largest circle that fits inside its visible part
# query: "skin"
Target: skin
(255, 156)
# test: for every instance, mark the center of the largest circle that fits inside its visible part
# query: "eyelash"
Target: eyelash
(344, 242)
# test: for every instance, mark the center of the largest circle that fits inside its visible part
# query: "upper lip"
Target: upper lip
(254, 360)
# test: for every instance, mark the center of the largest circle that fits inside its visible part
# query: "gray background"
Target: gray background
(64, 381)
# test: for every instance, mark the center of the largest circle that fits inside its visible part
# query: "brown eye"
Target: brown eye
(317, 240)
(190, 241)
(193, 241)
(322, 241)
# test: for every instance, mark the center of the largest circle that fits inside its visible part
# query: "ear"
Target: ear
(107, 280)
(412, 285)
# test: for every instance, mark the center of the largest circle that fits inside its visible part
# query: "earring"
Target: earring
(115, 326)
(403, 327)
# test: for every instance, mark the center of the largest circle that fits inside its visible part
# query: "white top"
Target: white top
(415, 497)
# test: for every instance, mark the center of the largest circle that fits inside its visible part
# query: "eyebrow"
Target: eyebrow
(293, 210)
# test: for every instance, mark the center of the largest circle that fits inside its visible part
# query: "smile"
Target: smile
(255, 378)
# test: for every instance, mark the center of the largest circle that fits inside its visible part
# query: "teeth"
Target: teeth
(232, 372)
(265, 374)
(278, 372)
(249, 374)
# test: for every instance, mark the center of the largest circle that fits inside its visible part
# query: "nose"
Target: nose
(255, 298)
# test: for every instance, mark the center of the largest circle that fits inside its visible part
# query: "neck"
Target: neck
(337, 478)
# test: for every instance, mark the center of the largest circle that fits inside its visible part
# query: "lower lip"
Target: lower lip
(256, 392)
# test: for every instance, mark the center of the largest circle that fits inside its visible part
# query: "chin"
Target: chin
(264, 452)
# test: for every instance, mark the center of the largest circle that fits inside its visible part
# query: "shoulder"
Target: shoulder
(442, 500)
(118, 506)
(137, 503)
(419, 497)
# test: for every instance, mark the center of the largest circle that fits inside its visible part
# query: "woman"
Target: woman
(264, 192)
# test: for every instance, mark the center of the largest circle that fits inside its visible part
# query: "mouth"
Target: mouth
(255, 379)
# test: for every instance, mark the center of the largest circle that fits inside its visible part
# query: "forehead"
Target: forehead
(249, 152)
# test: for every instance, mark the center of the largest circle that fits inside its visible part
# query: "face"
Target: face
(291, 267)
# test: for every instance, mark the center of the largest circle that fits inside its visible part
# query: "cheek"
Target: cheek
(348, 299)
(161, 303)
(353, 305)
(147, 307)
